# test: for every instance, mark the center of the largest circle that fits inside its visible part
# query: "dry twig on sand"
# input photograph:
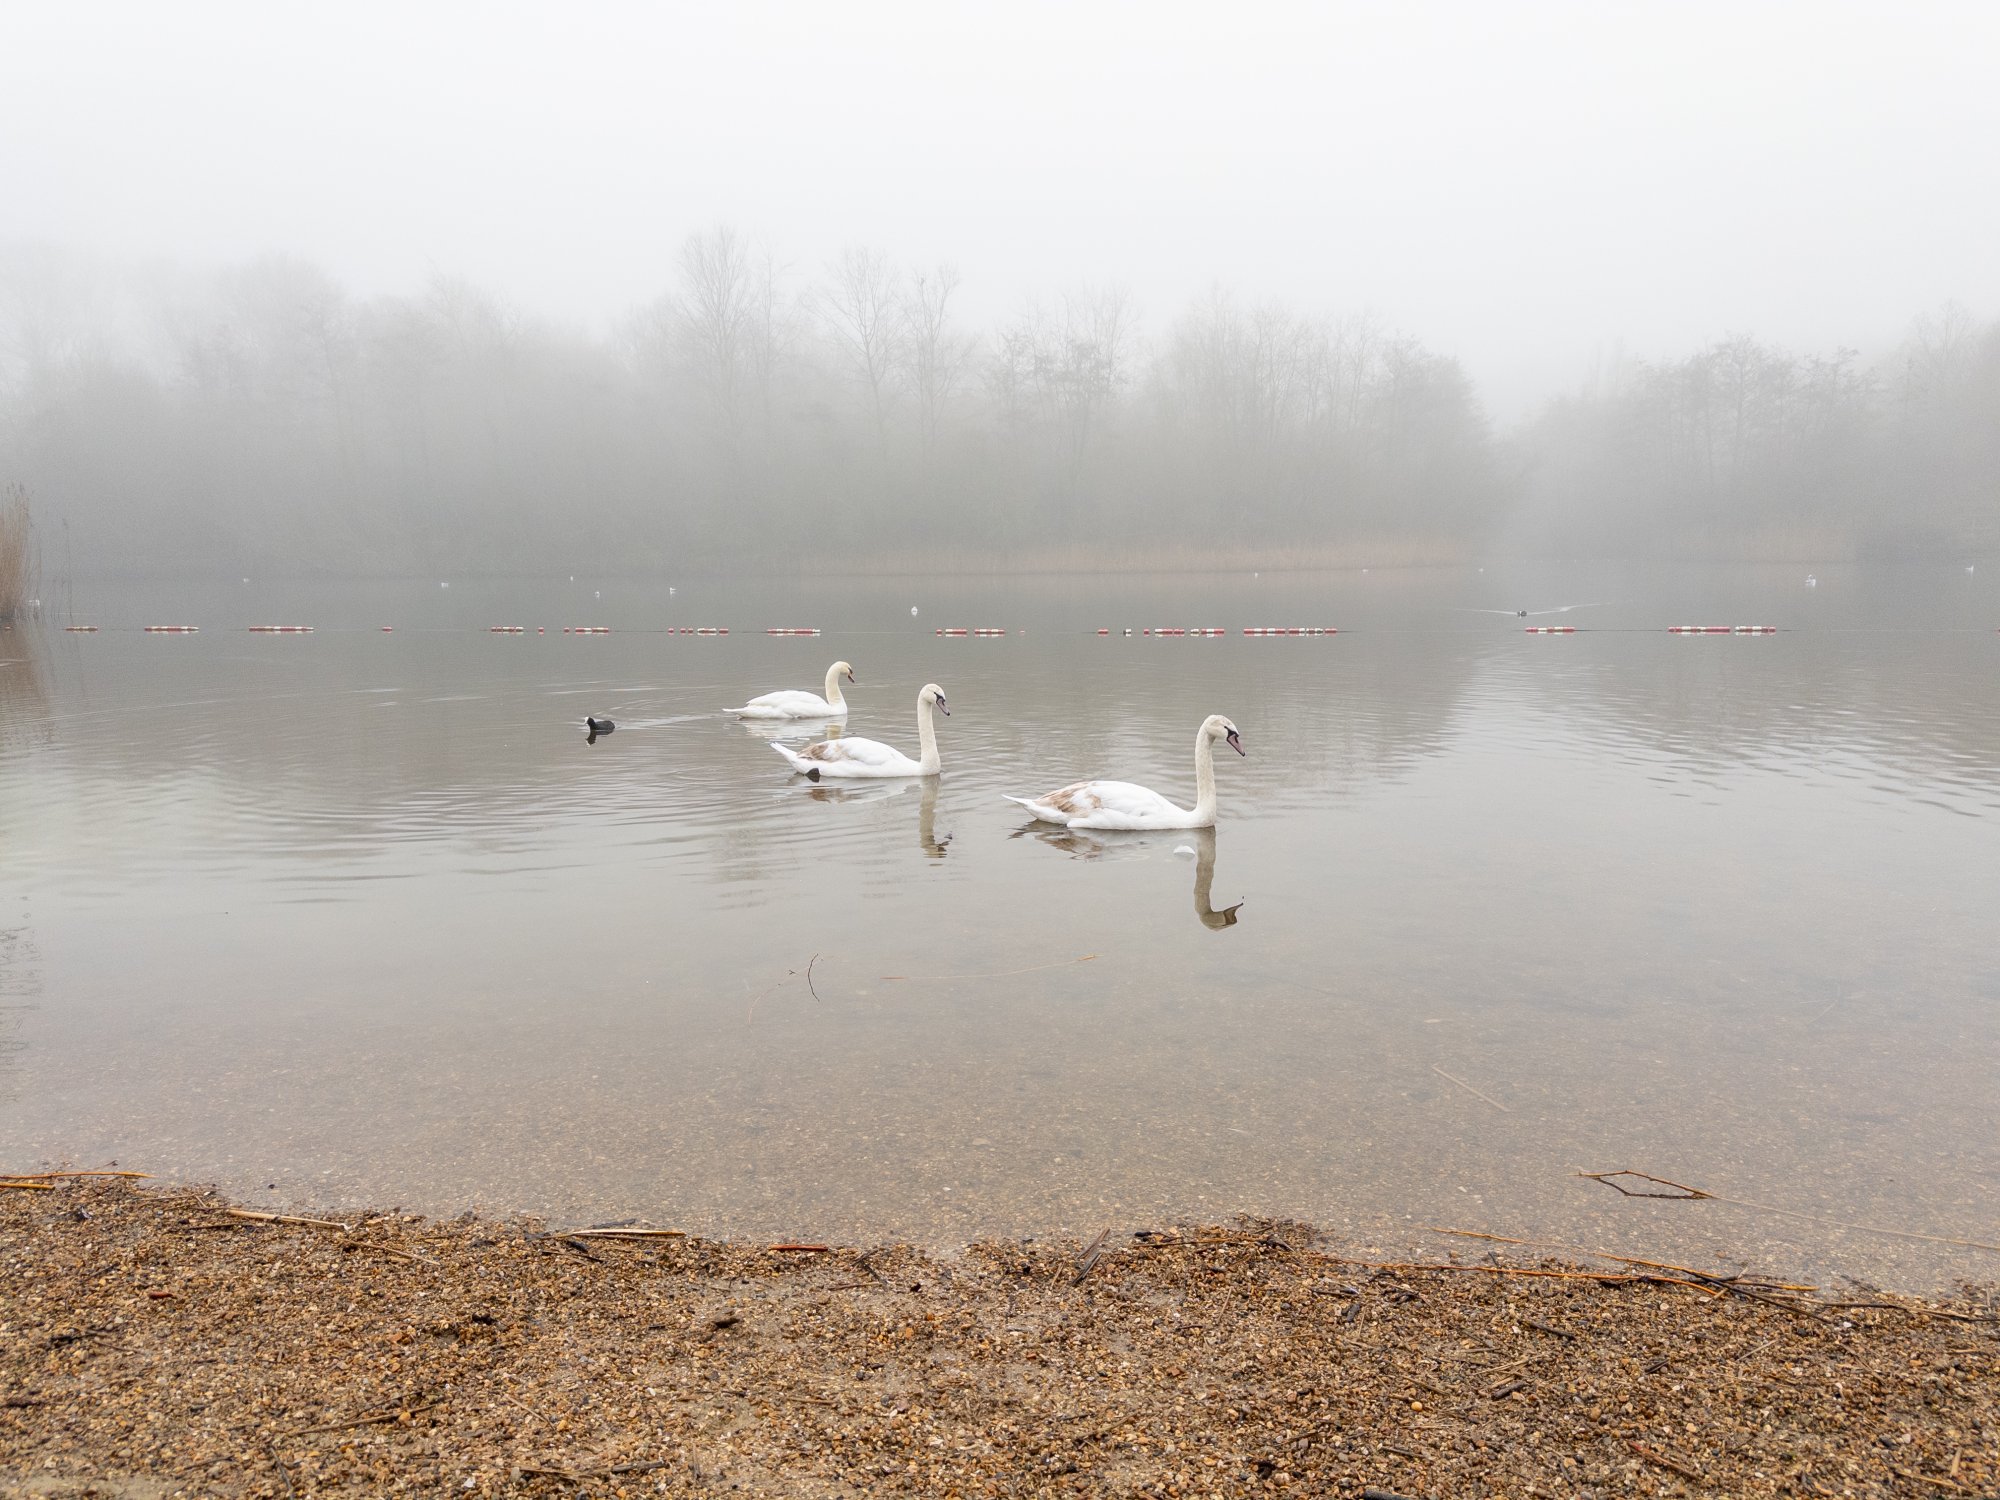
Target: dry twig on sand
(1471, 1090)
(1662, 1461)
(577, 1475)
(628, 1234)
(391, 1413)
(1092, 1254)
(1685, 1194)
(256, 1217)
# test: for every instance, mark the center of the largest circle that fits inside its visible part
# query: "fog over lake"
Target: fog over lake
(357, 917)
(1492, 343)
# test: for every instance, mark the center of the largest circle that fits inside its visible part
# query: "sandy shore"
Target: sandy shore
(154, 1344)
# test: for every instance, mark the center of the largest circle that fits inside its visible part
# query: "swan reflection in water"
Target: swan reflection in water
(929, 839)
(766, 730)
(1088, 844)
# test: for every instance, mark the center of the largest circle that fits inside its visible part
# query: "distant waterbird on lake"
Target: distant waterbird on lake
(798, 704)
(1122, 804)
(854, 757)
(594, 727)
(1522, 614)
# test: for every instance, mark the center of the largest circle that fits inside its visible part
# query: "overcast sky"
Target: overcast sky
(1523, 185)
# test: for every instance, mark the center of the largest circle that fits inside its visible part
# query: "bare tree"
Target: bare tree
(863, 308)
(936, 353)
(715, 325)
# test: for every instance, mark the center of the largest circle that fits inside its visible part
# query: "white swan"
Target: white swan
(796, 703)
(1120, 804)
(852, 756)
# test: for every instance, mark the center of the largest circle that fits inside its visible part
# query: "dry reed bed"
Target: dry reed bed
(156, 1343)
(17, 558)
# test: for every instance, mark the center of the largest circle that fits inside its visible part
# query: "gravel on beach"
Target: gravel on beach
(153, 1344)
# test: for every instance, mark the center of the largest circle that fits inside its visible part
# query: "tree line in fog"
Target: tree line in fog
(1744, 448)
(262, 418)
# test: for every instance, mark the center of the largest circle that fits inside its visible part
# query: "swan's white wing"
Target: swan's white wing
(794, 703)
(1105, 804)
(849, 756)
(1121, 804)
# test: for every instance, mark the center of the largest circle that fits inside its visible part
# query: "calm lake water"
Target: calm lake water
(357, 918)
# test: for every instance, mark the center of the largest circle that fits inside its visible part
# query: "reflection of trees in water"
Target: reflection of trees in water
(20, 984)
(1319, 716)
(1923, 706)
(24, 706)
(324, 761)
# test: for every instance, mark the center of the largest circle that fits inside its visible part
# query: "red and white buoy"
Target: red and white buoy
(506, 630)
(281, 630)
(711, 630)
(1550, 629)
(81, 629)
(590, 630)
(791, 630)
(1722, 630)
(172, 629)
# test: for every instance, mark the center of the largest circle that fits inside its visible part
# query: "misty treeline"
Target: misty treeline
(1746, 449)
(263, 418)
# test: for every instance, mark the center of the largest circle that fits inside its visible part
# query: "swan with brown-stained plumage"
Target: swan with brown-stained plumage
(1122, 804)
(852, 757)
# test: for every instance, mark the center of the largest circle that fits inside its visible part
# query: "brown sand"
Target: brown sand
(151, 1345)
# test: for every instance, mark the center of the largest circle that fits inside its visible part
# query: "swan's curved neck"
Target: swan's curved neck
(1204, 779)
(927, 754)
(833, 697)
